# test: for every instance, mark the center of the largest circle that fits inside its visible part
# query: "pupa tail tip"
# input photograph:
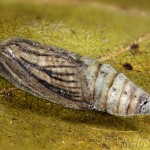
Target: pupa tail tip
(145, 108)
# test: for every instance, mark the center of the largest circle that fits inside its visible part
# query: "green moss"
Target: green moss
(27, 122)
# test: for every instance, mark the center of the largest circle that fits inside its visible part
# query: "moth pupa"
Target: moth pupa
(69, 79)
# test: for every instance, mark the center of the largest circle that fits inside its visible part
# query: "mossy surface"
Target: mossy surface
(27, 122)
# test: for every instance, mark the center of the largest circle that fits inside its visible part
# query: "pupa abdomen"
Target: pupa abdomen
(69, 79)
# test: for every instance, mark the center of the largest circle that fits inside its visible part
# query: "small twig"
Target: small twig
(124, 48)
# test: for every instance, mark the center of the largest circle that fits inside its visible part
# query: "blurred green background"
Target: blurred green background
(90, 28)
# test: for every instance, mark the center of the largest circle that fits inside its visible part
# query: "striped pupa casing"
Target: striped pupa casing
(69, 79)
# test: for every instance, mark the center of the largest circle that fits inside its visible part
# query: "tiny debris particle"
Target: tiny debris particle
(128, 66)
(11, 121)
(135, 46)
(134, 49)
(104, 146)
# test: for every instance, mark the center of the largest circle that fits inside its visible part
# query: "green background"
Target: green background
(90, 28)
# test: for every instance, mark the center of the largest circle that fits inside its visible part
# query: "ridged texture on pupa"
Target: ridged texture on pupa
(47, 72)
(117, 95)
(71, 80)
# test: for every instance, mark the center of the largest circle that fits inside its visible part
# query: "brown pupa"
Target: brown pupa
(69, 79)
